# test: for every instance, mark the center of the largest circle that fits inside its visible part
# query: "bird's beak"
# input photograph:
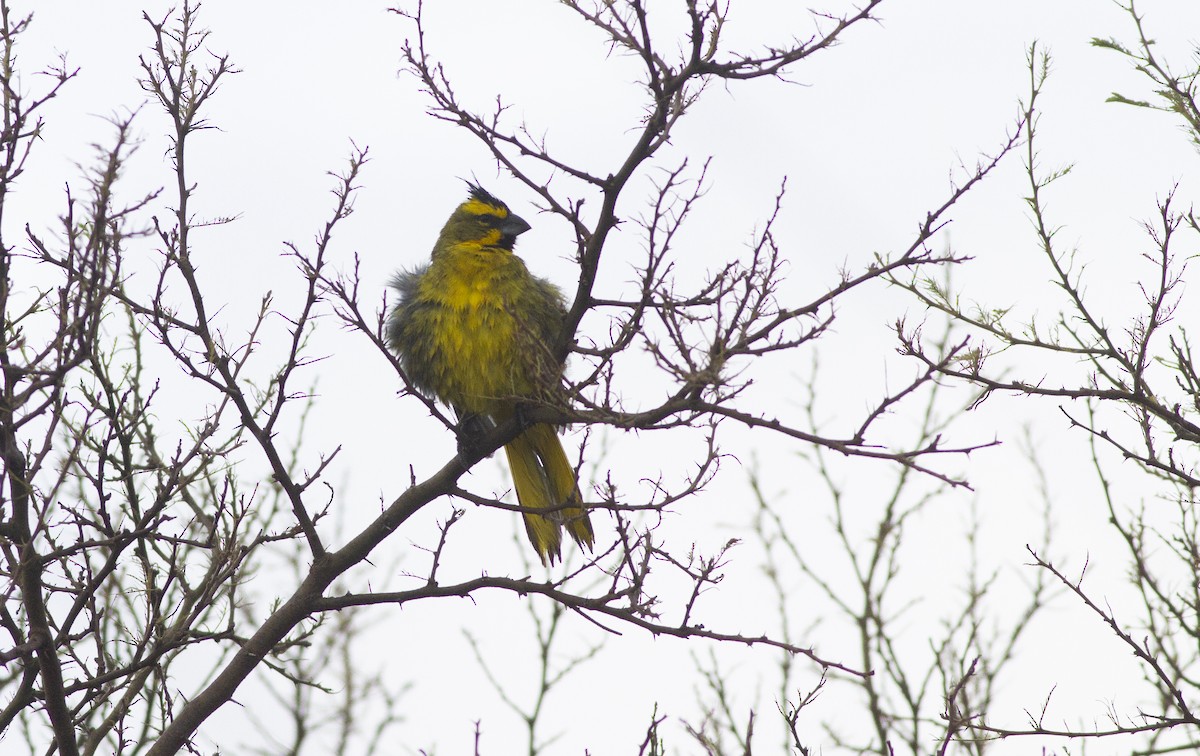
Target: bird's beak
(513, 226)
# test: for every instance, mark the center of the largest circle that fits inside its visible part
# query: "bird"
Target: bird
(476, 330)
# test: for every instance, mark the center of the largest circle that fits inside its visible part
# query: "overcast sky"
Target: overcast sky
(868, 135)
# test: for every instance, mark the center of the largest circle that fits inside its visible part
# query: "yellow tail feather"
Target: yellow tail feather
(545, 480)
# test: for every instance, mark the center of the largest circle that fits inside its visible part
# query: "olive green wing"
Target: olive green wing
(410, 331)
(541, 315)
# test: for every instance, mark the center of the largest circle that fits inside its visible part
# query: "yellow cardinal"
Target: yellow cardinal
(476, 329)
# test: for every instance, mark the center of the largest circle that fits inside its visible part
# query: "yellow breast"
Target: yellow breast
(475, 329)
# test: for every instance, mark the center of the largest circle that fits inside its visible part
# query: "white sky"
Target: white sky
(867, 135)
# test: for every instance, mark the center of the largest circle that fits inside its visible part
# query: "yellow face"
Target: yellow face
(490, 206)
(489, 216)
(484, 222)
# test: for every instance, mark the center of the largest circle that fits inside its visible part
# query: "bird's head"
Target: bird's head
(482, 220)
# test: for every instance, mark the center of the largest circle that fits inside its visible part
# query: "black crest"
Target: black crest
(481, 194)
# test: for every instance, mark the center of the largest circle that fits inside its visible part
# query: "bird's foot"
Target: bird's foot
(470, 429)
(521, 415)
